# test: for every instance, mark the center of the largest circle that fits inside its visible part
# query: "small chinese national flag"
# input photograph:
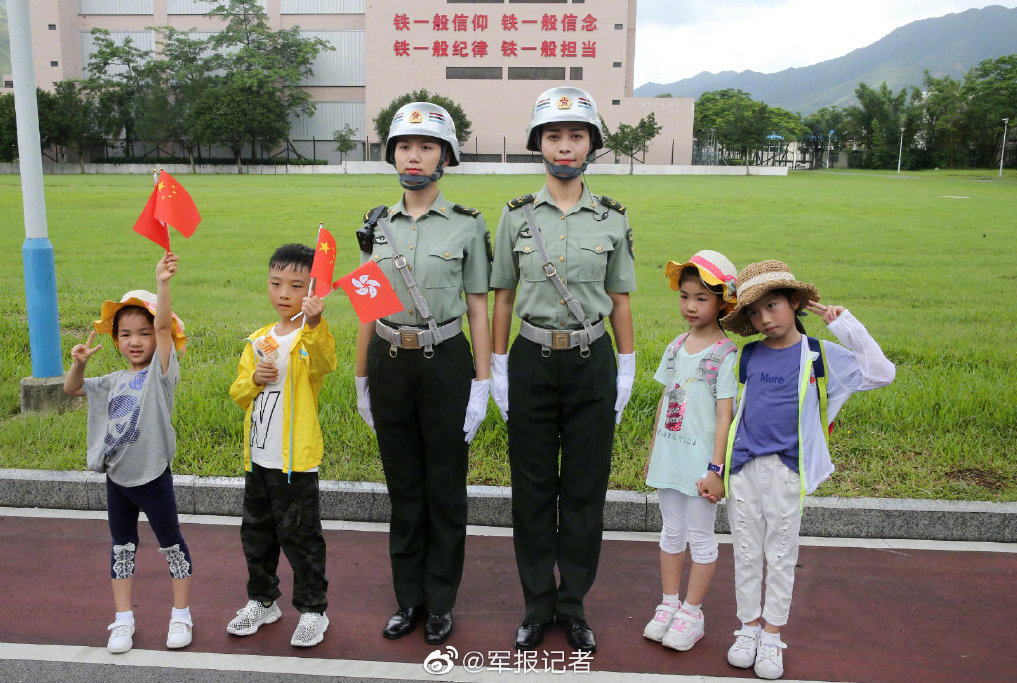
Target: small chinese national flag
(324, 263)
(370, 292)
(169, 205)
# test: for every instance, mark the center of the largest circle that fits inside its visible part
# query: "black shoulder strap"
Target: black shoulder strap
(612, 204)
(520, 201)
(465, 209)
(818, 367)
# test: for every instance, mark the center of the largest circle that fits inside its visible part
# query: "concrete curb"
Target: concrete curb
(941, 520)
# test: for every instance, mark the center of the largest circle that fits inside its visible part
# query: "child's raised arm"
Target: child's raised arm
(165, 270)
(74, 380)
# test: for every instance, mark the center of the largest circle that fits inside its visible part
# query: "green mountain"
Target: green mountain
(947, 46)
(5, 48)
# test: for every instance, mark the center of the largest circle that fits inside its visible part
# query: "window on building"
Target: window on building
(8, 84)
(489, 73)
(52, 27)
(476, 2)
(616, 65)
(576, 73)
(615, 101)
(536, 73)
(541, 2)
(54, 63)
(619, 27)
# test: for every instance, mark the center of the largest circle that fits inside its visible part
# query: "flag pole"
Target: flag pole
(310, 285)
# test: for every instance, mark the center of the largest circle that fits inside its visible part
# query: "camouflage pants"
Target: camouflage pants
(281, 514)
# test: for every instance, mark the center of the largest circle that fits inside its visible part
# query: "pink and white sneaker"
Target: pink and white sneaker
(685, 631)
(657, 627)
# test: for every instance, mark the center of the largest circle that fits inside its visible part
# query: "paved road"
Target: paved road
(864, 611)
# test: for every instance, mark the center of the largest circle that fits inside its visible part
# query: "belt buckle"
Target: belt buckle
(408, 340)
(560, 340)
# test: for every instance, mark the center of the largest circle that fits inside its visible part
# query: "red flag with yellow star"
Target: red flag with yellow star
(174, 207)
(324, 263)
(170, 205)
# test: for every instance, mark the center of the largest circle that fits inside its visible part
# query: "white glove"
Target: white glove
(364, 401)
(499, 383)
(626, 376)
(476, 409)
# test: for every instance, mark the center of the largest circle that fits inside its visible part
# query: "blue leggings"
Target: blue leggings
(156, 499)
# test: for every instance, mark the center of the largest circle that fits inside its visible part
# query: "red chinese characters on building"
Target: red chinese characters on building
(440, 22)
(509, 48)
(568, 48)
(460, 49)
(459, 22)
(402, 48)
(548, 48)
(479, 48)
(479, 22)
(401, 22)
(440, 48)
(589, 48)
(568, 22)
(509, 22)
(549, 22)
(589, 23)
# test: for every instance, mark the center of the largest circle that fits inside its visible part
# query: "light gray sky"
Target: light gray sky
(677, 39)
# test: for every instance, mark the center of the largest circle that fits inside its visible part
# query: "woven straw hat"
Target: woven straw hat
(142, 299)
(755, 280)
(714, 269)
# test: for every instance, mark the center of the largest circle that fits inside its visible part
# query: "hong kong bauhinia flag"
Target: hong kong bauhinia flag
(370, 292)
(171, 205)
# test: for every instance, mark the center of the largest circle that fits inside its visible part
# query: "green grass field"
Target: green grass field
(931, 274)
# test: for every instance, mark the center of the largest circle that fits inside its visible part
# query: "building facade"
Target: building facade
(493, 57)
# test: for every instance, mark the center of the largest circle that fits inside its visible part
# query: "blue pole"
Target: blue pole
(37, 252)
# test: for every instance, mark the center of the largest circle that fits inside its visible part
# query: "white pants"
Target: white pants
(765, 517)
(688, 518)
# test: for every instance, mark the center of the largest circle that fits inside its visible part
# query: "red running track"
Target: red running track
(860, 615)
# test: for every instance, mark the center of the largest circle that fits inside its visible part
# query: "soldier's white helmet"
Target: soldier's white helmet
(423, 118)
(564, 103)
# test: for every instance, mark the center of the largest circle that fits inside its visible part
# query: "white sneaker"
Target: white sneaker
(252, 616)
(179, 634)
(743, 653)
(310, 629)
(657, 627)
(770, 659)
(685, 631)
(120, 637)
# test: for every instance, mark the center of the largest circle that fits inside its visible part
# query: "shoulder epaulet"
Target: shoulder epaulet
(374, 214)
(520, 201)
(612, 204)
(465, 209)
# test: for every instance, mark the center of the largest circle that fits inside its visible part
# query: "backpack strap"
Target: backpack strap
(820, 372)
(713, 361)
(669, 359)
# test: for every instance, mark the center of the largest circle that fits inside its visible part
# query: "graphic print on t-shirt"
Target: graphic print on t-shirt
(675, 409)
(124, 409)
(261, 417)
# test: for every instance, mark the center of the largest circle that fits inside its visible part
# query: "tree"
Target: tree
(990, 93)
(74, 125)
(877, 121)
(8, 129)
(631, 140)
(383, 121)
(823, 130)
(740, 123)
(232, 115)
(263, 65)
(116, 75)
(344, 142)
(941, 137)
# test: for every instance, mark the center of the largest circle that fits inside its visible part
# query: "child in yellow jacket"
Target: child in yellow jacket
(279, 378)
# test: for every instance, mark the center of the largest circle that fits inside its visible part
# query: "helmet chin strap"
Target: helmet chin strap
(562, 172)
(419, 182)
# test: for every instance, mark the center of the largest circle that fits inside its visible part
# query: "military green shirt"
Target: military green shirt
(447, 252)
(590, 245)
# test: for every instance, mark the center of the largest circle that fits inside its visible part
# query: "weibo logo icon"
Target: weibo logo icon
(366, 286)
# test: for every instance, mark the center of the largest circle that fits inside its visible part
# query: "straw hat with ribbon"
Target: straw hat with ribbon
(142, 299)
(755, 280)
(714, 269)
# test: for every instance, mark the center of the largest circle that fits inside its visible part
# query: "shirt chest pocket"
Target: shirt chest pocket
(530, 264)
(593, 254)
(444, 266)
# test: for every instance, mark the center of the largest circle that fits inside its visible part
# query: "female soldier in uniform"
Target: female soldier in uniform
(416, 382)
(563, 257)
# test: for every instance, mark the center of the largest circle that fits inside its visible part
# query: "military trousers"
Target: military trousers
(559, 403)
(419, 407)
(284, 512)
